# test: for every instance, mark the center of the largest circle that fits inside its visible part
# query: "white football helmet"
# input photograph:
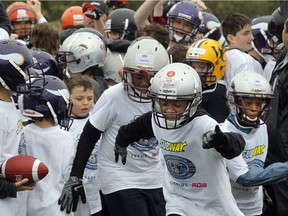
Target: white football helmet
(248, 84)
(176, 81)
(145, 56)
(81, 51)
(113, 61)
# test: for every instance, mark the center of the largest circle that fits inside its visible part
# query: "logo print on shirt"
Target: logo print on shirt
(179, 167)
(249, 153)
(173, 147)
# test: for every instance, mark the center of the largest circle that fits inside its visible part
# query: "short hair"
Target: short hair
(78, 81)
(156, 31)
(233, 23)
(178, 52)
(46, 37)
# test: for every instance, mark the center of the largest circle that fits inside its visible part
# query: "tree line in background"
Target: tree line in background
(53, 10)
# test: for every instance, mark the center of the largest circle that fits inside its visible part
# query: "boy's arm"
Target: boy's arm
(88, 138)
(5, 24)
(7, 189)
(143, 12)
(233, 145)
(228, 144)
(73, 188)
(258, 176)
(35, 6)
(140, 128)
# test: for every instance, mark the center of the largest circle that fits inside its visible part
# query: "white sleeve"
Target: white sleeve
(3, 34)
(236, 167)
(42, 20)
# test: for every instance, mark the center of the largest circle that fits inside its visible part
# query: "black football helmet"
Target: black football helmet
(122, 21)
(276, 24)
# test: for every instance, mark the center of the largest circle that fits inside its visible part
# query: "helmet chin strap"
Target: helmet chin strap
(4, 84)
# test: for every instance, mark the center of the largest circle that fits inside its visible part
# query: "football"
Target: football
(19, 167)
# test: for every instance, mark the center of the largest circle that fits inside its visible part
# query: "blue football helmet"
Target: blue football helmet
(16, 62)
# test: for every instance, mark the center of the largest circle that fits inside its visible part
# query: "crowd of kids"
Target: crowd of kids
(160, 111)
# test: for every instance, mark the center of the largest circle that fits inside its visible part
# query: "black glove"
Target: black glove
(122, 151)
(90, 11)
(70, 194)
(213, 139)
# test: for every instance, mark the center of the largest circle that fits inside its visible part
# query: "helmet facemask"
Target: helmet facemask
(241, 110)
(187, 37)
(137, 93)
(178, 119)
(204, 69)
(175, 92)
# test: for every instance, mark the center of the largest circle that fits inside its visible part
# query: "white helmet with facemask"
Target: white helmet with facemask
(145, 57)
(248, 84)
(175, 82)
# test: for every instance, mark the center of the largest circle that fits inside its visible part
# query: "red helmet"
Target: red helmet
(72, 17)
(19, 11)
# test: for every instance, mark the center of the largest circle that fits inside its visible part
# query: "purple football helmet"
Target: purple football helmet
(52, 102)
(211, 28)
(189, 12)
(16, 62)
(264, 43)
(46, 64)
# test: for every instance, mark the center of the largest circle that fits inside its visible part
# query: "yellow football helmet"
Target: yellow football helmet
(208, 58)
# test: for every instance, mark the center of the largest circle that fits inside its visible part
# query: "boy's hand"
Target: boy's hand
(213, 139)
(122, 151)
(90, 11)
(73, 189)
(22, 185)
